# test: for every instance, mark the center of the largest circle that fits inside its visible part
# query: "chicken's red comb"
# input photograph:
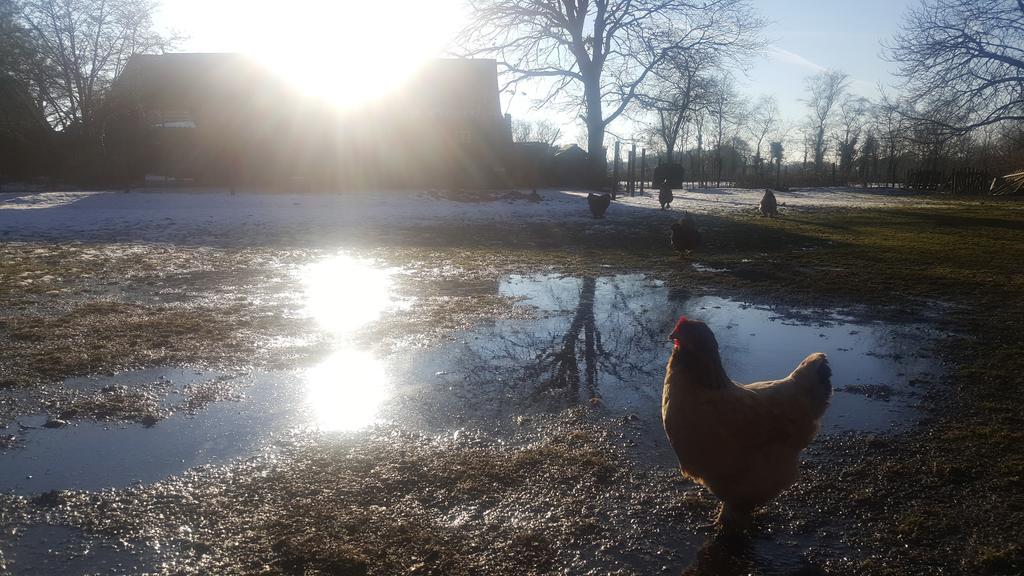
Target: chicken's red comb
(679, 325)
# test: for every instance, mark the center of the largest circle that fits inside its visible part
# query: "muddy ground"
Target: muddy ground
(557, 491)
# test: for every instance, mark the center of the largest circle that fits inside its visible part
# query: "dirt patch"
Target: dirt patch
(108, 336)
(140, 403)
(558, 496)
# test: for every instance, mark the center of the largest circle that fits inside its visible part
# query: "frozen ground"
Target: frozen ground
(167, 215)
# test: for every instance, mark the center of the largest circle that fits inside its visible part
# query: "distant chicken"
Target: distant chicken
(598, 204)
(665, 196)
(769, 205)
(685, 236)
(742, 442)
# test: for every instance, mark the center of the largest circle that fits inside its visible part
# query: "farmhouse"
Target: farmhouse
(222, 118)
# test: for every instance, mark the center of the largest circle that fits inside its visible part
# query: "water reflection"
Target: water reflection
(605, 328)
(604, 341)
(727, 553)
(723, 554)
(345, 391)
(343, 294)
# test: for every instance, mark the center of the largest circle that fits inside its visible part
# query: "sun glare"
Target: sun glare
(346, 391)
(353, 52)
(342, 295)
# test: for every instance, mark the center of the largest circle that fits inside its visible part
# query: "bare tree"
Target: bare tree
(544, 131)
(598, 53)
(824, 89)
(82, 46)
(762, 121)
(700, 120)
(808, 134)
(965, 56)
(892, 126)
(869, 158)
(547, 132)
(672, 95)
(777, 152)
(522, 130)
(853, 112)
(726, 110)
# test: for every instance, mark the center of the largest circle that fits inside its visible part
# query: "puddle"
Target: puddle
(343, 393)
(605, 341)
(707, 269)
(46, 549)
(597, 341)
(91, 455)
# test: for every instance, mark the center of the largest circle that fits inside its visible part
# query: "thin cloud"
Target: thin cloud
(785, 56)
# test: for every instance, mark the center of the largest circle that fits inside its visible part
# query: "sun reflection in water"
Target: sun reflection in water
(346, 391)
(343, 294)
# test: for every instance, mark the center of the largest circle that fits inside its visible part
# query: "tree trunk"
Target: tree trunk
(819, 149)
(595, 130)
(700, 164)
(566, 373)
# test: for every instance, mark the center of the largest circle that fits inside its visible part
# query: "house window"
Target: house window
(171, 119)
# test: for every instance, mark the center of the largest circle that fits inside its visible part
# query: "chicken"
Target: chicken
(769, 206)
(665, 196)
(598, 204)
(685, 236)
(742, 442)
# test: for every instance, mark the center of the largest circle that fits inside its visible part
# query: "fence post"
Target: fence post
(643, 168)
(615, 171)
(632, 169)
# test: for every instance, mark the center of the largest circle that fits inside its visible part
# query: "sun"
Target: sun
(352, 52)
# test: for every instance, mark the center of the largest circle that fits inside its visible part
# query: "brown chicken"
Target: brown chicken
(769, 206)
(742, 442)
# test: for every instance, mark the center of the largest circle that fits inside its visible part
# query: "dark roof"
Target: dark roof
(570, 150)
(453, 86)
(172, 79)
(442, 86)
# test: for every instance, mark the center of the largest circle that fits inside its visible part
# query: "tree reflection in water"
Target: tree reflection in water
(597, 331)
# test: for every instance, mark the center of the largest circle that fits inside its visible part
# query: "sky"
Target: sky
(809, 36)
(314, 42)
(346, 50)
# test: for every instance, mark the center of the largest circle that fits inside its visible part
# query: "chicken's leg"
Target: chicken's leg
(734, 517)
